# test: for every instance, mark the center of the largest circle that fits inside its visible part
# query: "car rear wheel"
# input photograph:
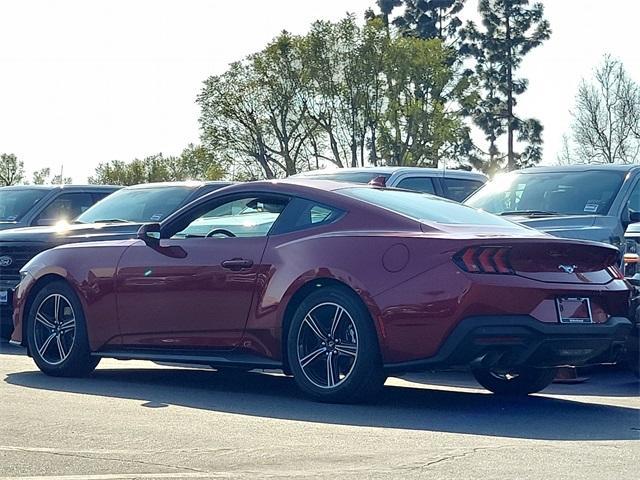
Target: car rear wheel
(332, 348)
(57, 334)
(522, 381)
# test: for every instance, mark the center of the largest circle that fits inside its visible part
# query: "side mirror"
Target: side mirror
(149, 233)
(634, 217)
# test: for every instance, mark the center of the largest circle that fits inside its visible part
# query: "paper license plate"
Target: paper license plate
(574, 310)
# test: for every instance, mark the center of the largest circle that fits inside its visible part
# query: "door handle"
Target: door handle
(237, 263)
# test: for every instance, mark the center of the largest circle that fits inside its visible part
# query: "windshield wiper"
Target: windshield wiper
(528, 212)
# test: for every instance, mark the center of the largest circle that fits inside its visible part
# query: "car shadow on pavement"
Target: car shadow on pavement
(414, 408)
(7, 349)
(605, 382)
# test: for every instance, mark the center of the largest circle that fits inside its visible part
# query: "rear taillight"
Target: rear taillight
(615, 272)
(484, 260)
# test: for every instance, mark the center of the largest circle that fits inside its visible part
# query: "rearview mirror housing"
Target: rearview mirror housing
(149, 233)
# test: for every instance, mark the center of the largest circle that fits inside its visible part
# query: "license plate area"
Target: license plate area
(574, 310)
(4, 296)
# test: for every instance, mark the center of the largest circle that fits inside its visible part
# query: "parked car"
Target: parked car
(591, 202)
(32, 205)
(453, 184)
(118, 216)
(348, 283)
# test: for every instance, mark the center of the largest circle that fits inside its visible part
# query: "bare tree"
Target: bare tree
(605, 119)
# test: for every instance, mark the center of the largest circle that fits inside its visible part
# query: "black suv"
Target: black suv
(117, 217)
(37, 205)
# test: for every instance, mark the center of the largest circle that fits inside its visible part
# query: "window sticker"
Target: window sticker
(592, 206)
(156, 217)
(12, 218)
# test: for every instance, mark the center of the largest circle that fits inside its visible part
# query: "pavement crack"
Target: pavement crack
(61, 453)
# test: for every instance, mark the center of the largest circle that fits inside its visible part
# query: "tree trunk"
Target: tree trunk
(511, 162)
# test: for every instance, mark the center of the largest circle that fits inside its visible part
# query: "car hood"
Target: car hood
(70, 233)
(7, 225)
(587, 227)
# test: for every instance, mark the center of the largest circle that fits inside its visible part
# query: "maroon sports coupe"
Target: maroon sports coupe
(338, 285)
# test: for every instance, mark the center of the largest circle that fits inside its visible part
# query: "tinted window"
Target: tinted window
(15, 204)
(423, 207)
(634, 199)
(351, 177)
(137, 205)
(458, 189)
(66, 207)
(302, 214)
(570, 193)
(245, 217)
(418, 184)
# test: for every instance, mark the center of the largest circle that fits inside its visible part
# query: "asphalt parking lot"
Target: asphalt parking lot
(140, 420)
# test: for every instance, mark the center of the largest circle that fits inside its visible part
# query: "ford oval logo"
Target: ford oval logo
(5, 261)
(567, 268)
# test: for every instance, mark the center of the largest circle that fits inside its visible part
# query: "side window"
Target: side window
(634, 199)
(417, 184)
(458, 189)
(65, 207)
(97, 196)
(302, 214)
(241, 217)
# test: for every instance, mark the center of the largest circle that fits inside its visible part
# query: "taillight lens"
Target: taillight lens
(615, 272)
(484, 260)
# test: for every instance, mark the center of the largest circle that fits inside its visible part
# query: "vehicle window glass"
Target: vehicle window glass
(65, 208)
(245, 217)
(16, 203)
(138, 205)
(458, 189)
(301, 214)
(97, 196)
(565, 192)
(350, 177)
(427, 208)
(418, 184)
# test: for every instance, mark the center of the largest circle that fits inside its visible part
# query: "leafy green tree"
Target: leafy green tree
(511, 29)
(11, 170)
(40, 177)
(60, 180)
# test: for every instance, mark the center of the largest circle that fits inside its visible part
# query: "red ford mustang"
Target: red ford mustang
(338, 285)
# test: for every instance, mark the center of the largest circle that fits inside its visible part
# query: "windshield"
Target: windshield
(425, 207)
(567, 193)
(15, 204)
(137, 205)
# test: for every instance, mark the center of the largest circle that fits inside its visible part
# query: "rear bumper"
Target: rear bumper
(509, 341)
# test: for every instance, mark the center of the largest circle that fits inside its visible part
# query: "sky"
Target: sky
(84, 82)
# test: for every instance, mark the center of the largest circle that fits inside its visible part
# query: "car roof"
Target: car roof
(194, 184)
(579, 168)
(63, 187)
(394, 170)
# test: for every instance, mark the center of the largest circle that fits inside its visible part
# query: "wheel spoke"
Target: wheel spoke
(68, 325)
(347, 349)
(311, 357)
(331, 379)
(56, 307)
(336, 319)
(46, 344)
(61, 351)
(315, 328)
(43, 320)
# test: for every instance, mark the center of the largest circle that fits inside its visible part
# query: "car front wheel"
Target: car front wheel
(57, 334)
(522, 381)
(332, 348)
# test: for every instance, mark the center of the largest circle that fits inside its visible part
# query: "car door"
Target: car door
(196, 287)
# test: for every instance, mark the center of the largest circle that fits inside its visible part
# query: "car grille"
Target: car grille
(19, 255)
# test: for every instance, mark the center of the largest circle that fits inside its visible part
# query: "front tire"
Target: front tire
(332, 348)
(57, 333)
(522, 381)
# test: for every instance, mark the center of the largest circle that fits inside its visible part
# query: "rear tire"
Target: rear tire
(332, 348)
(57, 332)
(522, 381)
